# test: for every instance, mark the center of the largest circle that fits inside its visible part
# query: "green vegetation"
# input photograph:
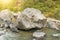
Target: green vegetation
(50, 8)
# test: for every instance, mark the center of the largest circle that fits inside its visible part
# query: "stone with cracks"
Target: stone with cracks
(31, 18)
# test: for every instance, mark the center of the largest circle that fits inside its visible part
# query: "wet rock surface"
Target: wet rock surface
(39, 36)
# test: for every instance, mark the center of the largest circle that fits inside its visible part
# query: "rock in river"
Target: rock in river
(31, 18)
(53, 23)
(56, 35)
(39, 36)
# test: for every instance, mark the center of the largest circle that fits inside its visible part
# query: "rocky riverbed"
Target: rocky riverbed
(29, 24)
(27, 35)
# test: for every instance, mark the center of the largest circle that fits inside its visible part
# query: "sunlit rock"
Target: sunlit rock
(9, 19)
(31, 18)
(6, 14)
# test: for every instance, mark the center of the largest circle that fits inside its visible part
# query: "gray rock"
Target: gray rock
(9, 20)
(28, 19)
(39, 36)
(31, 18)
(6, 14)
(56, 35)
(53, 23)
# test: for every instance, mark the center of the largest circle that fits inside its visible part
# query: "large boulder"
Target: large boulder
(31, 18)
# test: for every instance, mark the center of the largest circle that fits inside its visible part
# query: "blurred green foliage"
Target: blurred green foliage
(50, 8)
